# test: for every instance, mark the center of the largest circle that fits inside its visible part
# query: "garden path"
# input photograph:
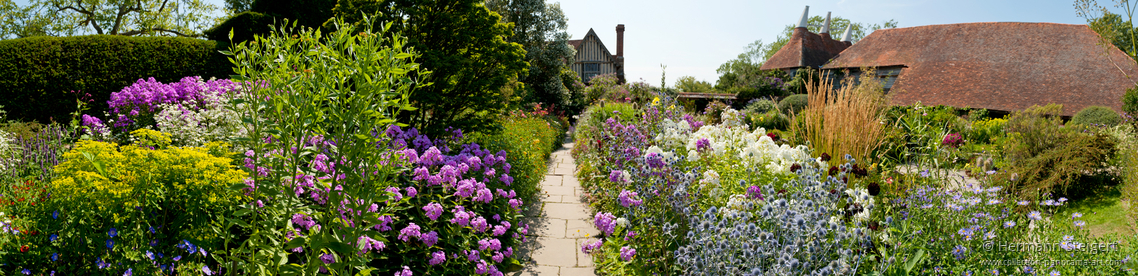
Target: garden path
(559, 223)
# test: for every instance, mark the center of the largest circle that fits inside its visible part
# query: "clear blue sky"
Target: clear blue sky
(694, 37)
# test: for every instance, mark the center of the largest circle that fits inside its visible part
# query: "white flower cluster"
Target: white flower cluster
(861, 197)
(732, 118)
(738, 203)
(193, 125)
(710, 183)
(7, 150)
(668, 155)
(673, 135)
(755, 147)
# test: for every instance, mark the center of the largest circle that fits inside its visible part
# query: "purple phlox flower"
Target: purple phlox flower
(408, 232)
(430, 238)
(303, 220)
(461, 216)
(479, 223)
(328, 258)
(433, 210)
(411, 192)
(755, 192)
(369, 243)
(606, 222)
(484, 195)
(626, 253)
(437, 257)
(384, 220)
(629, 199)
(394, 193)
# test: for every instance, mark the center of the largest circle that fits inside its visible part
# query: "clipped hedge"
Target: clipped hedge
(37, 74)
(793, 104)
(1096, 115)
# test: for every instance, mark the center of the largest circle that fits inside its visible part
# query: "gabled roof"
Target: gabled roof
(1002, 66)
(805, 49)
(577, 44)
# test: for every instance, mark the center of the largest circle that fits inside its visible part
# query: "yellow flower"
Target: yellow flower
(655, 101)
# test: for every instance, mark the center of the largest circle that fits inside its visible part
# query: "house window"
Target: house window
(590, 70)
(888, 76)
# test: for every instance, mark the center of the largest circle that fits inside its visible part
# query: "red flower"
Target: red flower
(24, 249)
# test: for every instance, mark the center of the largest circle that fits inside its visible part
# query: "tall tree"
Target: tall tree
(690, 84)
(113, 17)
(746, 64)
(1110, 26)
(541, 30)
(239, 6)
(837, 27)
(464, 44)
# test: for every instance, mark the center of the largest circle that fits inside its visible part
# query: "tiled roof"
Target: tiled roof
(805, 49)
(1001, 66)
(576, 43)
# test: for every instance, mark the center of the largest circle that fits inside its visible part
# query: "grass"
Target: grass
(1104, 212)
(845, 119)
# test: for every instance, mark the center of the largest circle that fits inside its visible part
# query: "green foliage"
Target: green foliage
(162, 194)
(986, 131)
(1130, 101)
(1096, 115)
(1047, 158)
(39, 72)
(541, 30)
(770, 120)
(259, 14)
(111, 17)
(760, 106)
(690, 84)
(344, 86)
(462, 44)
(713, 113)
(793, 104)
(528, 140)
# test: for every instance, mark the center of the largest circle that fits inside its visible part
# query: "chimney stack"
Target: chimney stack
(805, 18)
(620, 40)
(826, 27)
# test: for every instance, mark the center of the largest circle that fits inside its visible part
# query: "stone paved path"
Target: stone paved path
(559, 223)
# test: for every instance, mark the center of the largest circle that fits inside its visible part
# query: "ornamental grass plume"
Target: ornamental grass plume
(844, 119)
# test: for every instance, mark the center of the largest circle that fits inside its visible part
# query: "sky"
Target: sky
(694, 37)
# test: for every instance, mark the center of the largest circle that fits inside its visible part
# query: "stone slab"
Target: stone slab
(552, 198)
(547, 227)
(555, 252)
(577, 271)
(566, 211)
(580, 228)
(559, 190)
(538, 270)
(554, 180)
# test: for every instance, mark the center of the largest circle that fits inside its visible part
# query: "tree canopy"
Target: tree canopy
(541, 30)
(186, 18)
(1113, 28)
(463, 44)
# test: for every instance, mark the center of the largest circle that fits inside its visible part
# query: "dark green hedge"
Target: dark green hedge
(256, 21)
(38, 73)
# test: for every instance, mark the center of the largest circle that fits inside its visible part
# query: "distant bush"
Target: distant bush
(1096, 115)
(1130, 101)
(37, 74)
(759, 106)
(713, 113)
(1047, 158)
(770, 121)
(794, 103)
(985, 130)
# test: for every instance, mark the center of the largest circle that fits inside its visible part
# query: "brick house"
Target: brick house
(593, 58)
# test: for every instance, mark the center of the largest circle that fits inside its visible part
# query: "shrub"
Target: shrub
(713, 113)
(263, 13)
(37, 73)
(1130, 101)
(760, 106)
(114, 205)
(985, 131)
(1037, 130)
(770, 121)
(1048, 158)
(528, 141)
(792, 104)
(847, 120)
(1097, 115)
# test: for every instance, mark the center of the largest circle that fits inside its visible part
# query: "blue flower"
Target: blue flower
(55, 215)
(1034, 215)
(149, 255)
(26, 271)
(54, 256)
(959, 251)
(1054, 273)
(1080, 223)
(129, 272)
(52, 237)
(205, 269)
(113, 232)
(1009, 224)
(110, 243)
